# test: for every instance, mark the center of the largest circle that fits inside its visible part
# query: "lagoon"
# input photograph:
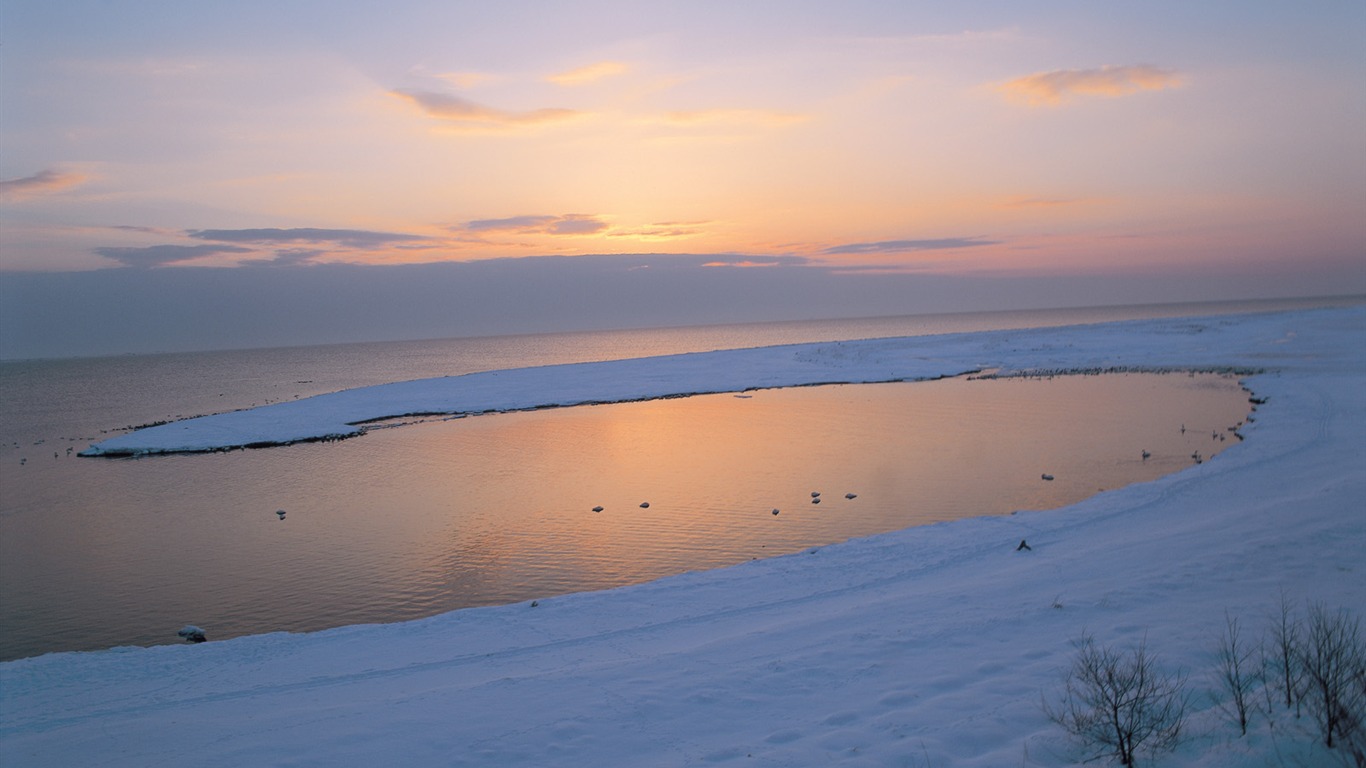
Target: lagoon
(96, 553)
(452, 513)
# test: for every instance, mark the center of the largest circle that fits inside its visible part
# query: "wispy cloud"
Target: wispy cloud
(42, 183)
(165, 255)
(588, 74)
(144, 230)
(577, 225)
(463, 112)
(510, 224)
(1055, 87)
(664, 230)
(350, 238)
(568, 224)
(905, 246)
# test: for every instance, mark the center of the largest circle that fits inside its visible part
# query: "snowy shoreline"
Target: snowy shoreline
(928, 646)
(345, 414)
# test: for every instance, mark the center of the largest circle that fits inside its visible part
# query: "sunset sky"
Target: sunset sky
(162, 153)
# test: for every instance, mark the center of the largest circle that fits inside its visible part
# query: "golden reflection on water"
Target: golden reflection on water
(518, 490)
(408, 522)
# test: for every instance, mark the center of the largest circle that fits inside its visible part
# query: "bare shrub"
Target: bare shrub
(1280, 663)
(1117, 704)
(1333, 660)
(1236, 673)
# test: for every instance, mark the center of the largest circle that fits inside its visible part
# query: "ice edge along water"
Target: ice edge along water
(929, 646)
(344, 414)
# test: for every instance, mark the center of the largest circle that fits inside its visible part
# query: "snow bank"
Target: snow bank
(1210, 342)
(930, 646)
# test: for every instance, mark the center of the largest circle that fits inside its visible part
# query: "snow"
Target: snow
(1209, 343)
(926, 647)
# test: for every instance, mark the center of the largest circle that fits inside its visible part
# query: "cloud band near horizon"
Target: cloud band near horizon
(903, 246)
(354, 238)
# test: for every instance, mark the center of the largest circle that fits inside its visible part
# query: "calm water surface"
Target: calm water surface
(408, 522)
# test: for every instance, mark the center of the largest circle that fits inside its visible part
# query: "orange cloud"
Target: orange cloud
(41, 183)
(588, 74)
(1053, 88)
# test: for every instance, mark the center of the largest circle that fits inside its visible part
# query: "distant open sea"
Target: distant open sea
(96, 552)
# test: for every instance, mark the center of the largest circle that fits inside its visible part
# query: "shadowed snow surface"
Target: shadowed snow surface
(929, 646)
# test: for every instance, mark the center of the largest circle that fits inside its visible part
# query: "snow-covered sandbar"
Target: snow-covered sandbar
(925, 647)
(1208, 343)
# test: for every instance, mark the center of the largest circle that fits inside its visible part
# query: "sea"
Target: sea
(402, 523)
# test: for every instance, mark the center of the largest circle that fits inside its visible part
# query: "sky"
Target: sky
(192, 175)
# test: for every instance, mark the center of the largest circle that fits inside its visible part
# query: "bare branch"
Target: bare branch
(1235, 673)
(1118, 704)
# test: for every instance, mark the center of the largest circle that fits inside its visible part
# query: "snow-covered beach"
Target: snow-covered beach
(930, 646)
(1162, 344)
